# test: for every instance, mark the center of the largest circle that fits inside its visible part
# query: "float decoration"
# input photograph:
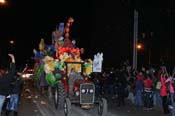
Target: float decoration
(52, 57)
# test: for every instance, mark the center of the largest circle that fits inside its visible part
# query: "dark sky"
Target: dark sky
(100, 26)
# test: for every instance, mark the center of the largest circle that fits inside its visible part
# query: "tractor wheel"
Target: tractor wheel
(59, 96)
(103, 107)
(67, 107)
(56, 97)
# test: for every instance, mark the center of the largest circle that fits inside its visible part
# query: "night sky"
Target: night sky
(100, 26)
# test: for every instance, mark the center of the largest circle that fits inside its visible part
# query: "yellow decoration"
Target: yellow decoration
(42, 45)
(49, 64)
(63, 57)
(88, 67)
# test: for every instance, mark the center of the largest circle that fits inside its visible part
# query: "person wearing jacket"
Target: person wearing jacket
(148, 92)
(13, 103)
(6, 77)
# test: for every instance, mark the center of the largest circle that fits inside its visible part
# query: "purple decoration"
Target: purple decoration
(61, 28)
(43, 82)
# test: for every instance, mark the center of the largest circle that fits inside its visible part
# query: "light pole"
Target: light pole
(135, 39)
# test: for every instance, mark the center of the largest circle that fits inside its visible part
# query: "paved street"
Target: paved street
(32, 104)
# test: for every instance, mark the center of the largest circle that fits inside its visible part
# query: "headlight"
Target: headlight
(87, 91)
(91, 91)
(26, 75)
(83, 91)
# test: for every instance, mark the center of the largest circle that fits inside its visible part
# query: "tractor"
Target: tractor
(83, 94)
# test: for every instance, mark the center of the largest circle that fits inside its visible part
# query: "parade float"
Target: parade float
(53, 65)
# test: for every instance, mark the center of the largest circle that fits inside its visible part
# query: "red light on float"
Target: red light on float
(68, 25)
(71, 20)
(86, 78)
(67, 30)
(64, 78)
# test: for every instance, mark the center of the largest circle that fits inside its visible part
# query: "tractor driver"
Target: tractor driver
(74, 75)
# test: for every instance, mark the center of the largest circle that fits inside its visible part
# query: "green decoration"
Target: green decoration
(51, 80)
(40, 69)
(57, 75)
(59, 65)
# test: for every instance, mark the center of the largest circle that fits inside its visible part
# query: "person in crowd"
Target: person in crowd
(96, 80)
(163, 93)
(103, 82)
(156, 88)
(148, 93)
(122, 83)
(170, 85)
(139, 90)
(109, 85)
(132, 85)
(131, 89)
(121, 94)
(13, 103)
(6, 78)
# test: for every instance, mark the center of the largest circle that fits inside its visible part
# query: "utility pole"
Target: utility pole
(135, 39)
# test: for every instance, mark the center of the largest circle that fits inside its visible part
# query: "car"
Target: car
(28, 73)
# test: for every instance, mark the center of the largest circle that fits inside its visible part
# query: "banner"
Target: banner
(97, 62)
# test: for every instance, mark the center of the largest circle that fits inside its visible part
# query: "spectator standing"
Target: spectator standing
(13, 103)
(170, 83)
(121, 90)
(6, 78)
(139, 90)
(148, 93)
(163, 93)
(157, 98)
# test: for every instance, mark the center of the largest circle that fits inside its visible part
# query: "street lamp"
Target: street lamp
(2, 1)
(139, 46)
(11, 42)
